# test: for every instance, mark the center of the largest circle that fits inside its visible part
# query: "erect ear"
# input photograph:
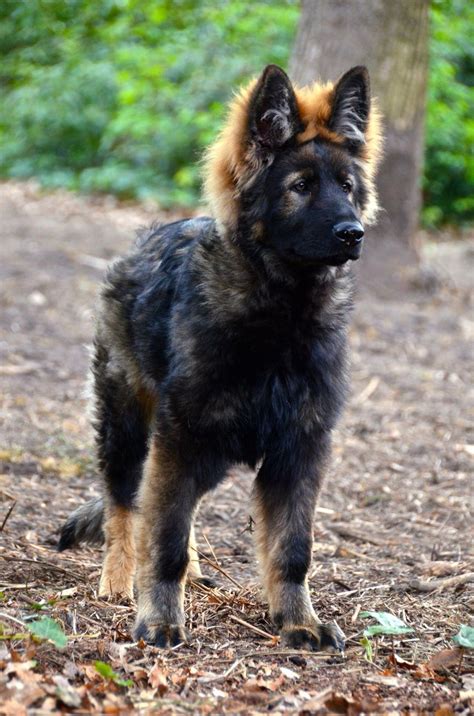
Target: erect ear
(351, 105)
(273, 112)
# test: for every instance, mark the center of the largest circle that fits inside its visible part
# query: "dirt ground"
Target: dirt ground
(393, 530)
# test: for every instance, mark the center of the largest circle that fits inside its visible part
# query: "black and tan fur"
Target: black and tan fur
(223, 340)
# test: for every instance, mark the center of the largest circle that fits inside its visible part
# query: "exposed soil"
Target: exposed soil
(393, 524)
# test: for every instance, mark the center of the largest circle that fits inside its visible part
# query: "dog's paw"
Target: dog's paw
(163, 636)
(317, 637)
(116, 587)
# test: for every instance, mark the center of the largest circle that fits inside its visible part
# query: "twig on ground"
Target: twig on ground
(2, 527)
(4, 615)
(353, 533)
(221, 677)
(19, 369)
(437, 585)
(361, 590)
(217, 567)
(212, 549)
(257, 630)
(370, 388)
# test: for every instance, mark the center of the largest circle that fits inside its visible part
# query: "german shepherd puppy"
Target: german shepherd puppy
(223, 340)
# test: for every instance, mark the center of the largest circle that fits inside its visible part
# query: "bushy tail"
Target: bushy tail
(83, 525)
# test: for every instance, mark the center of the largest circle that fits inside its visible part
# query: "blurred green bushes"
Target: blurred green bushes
(448, 180)
(121, 96)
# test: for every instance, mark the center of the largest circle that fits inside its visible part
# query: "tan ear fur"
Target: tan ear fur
(231, 164)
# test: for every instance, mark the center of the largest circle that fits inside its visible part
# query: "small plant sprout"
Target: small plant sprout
(106, 671)
(369, 652)
(388, 625)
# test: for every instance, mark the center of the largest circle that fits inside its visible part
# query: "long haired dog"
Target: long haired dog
(223, 340)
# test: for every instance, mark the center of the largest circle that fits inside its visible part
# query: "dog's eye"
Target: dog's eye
(346, 186)
(301, 186)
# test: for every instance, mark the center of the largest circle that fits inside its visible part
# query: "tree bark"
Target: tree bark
(391, 39)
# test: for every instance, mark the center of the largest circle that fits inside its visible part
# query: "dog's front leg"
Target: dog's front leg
(285, 494)
(167, 500)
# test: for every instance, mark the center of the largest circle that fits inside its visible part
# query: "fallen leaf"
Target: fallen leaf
(425, 672)
(69, 592)
(261, 684)
(289, 673)
(48, 629)
(20, 667)
(157, 679)
(465, 637)
(66, 693)
(24, 693)
(218, 694)
(445, 659)
(421, 671)
(340, 704)
(402, 663)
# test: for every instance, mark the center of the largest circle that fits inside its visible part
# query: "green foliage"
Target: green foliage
(387, 624)
(49, 630)
(465, 637)
(449, 161)
(107, 672)
(122, 96)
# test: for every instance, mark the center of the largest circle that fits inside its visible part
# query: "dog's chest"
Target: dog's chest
(262, 382)
(241, 384)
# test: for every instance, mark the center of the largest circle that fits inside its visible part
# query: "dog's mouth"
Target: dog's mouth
(341, 255)
(339, 260)
(335, 260)
(349, 254)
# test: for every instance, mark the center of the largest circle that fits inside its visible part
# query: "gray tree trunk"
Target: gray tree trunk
(390, 37)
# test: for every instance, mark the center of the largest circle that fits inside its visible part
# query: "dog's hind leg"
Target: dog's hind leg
(285, 494)
(121, 424)
(118, 569)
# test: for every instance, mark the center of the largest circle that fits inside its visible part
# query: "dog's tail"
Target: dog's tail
(83, 525)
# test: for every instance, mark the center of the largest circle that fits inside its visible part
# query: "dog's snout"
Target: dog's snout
(350, 233)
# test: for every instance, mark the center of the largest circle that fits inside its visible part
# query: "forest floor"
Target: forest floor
(393, 531)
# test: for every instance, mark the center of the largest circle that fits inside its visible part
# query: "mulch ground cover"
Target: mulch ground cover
(393, 528)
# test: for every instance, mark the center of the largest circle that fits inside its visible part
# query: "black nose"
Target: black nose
(350, 233)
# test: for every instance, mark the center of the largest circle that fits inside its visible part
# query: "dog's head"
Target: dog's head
(297, 165)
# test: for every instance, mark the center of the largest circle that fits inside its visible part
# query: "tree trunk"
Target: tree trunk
(391, 39)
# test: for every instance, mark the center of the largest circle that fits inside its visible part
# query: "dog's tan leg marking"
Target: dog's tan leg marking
(118, 569)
